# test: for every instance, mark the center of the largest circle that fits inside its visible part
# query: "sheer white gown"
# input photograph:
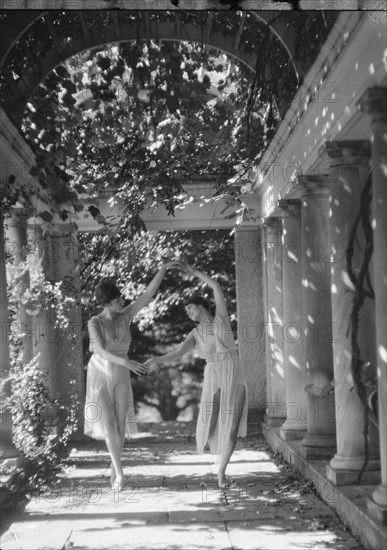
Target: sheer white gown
(215, 343)
(102, 373)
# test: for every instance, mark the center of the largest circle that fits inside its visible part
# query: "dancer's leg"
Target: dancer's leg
(214, 413)
(109, 426)
(231, 439)
(121, 408)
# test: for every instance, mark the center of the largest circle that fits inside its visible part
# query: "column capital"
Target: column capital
(374, 102)
(315, 186)
(290, 207)
(352, 152)
(271, 221)
(18, 216)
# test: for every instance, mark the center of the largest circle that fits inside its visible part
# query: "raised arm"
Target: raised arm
(220, 302)
(182, 349)
(132, 309)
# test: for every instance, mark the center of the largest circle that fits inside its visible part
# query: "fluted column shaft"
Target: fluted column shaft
(374, 101)
(273, 311)
(350, 174)
(294, 426)
(320, 439)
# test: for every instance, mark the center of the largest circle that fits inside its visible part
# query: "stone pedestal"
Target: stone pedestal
(251, 342)
(273, 311)
(294, 426)
(351, 170)
(9, 455)
(320, 439)
(374, 101)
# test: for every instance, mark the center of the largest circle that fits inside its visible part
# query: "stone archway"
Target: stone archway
(34, 43)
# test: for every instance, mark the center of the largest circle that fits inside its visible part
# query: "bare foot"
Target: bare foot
(112, 474)
(119, 483)
(222, 480)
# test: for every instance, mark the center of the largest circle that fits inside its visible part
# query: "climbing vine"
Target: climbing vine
(42, 421)
(361, 281)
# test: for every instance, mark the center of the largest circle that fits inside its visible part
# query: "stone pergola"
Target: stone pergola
(293, 287)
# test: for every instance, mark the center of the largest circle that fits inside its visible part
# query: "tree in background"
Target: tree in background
(163, 323)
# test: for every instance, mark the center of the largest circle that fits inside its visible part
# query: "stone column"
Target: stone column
(351, 171)
(251, 342)
(294, 426)
(69, 357)
(45, 319)
(60, 355)
(374, 102)
(320, 439)
(8, 452)
(17, 246)
(273, 312)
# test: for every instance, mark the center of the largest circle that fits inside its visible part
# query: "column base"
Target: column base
(288, 432)
(377, 512)
(351, 477)
(380, 495)
(318, 446)
(320, 440)
(273, 421)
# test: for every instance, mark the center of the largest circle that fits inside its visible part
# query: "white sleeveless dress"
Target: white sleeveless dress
(215, 343)
(102, 373)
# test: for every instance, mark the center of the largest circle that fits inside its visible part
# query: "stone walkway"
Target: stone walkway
(171, 502)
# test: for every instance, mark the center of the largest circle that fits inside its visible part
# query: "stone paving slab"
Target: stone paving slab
(167, 537)
(171, 501)
(275, 535)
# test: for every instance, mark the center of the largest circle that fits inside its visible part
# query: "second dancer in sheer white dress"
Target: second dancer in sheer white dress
(223, 406)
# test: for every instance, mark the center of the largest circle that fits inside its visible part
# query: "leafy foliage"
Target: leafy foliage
(136, 119)
(42, 424)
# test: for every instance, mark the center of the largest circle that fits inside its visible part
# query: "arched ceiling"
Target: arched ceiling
(33, 43)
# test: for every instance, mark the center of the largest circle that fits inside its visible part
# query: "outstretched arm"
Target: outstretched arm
(131, 310)
(220, 302)
(182, 349)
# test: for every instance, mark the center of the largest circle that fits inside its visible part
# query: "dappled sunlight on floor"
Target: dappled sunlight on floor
(171, 501)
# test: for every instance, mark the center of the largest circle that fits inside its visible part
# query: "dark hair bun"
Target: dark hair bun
(198, 300)
(106, 291)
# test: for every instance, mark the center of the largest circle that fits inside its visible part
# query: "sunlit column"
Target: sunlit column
(350, 172)
(69, 350)
(60, 354)
(374, 101)
(16, 233)
(44, 320)
(273, 312)
(295, 374)
(8, 451)
(320, 439)
(251, 343)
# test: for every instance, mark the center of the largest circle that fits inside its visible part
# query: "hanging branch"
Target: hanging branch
(363, 289)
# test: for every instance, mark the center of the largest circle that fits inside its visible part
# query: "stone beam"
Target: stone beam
(200, 212)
